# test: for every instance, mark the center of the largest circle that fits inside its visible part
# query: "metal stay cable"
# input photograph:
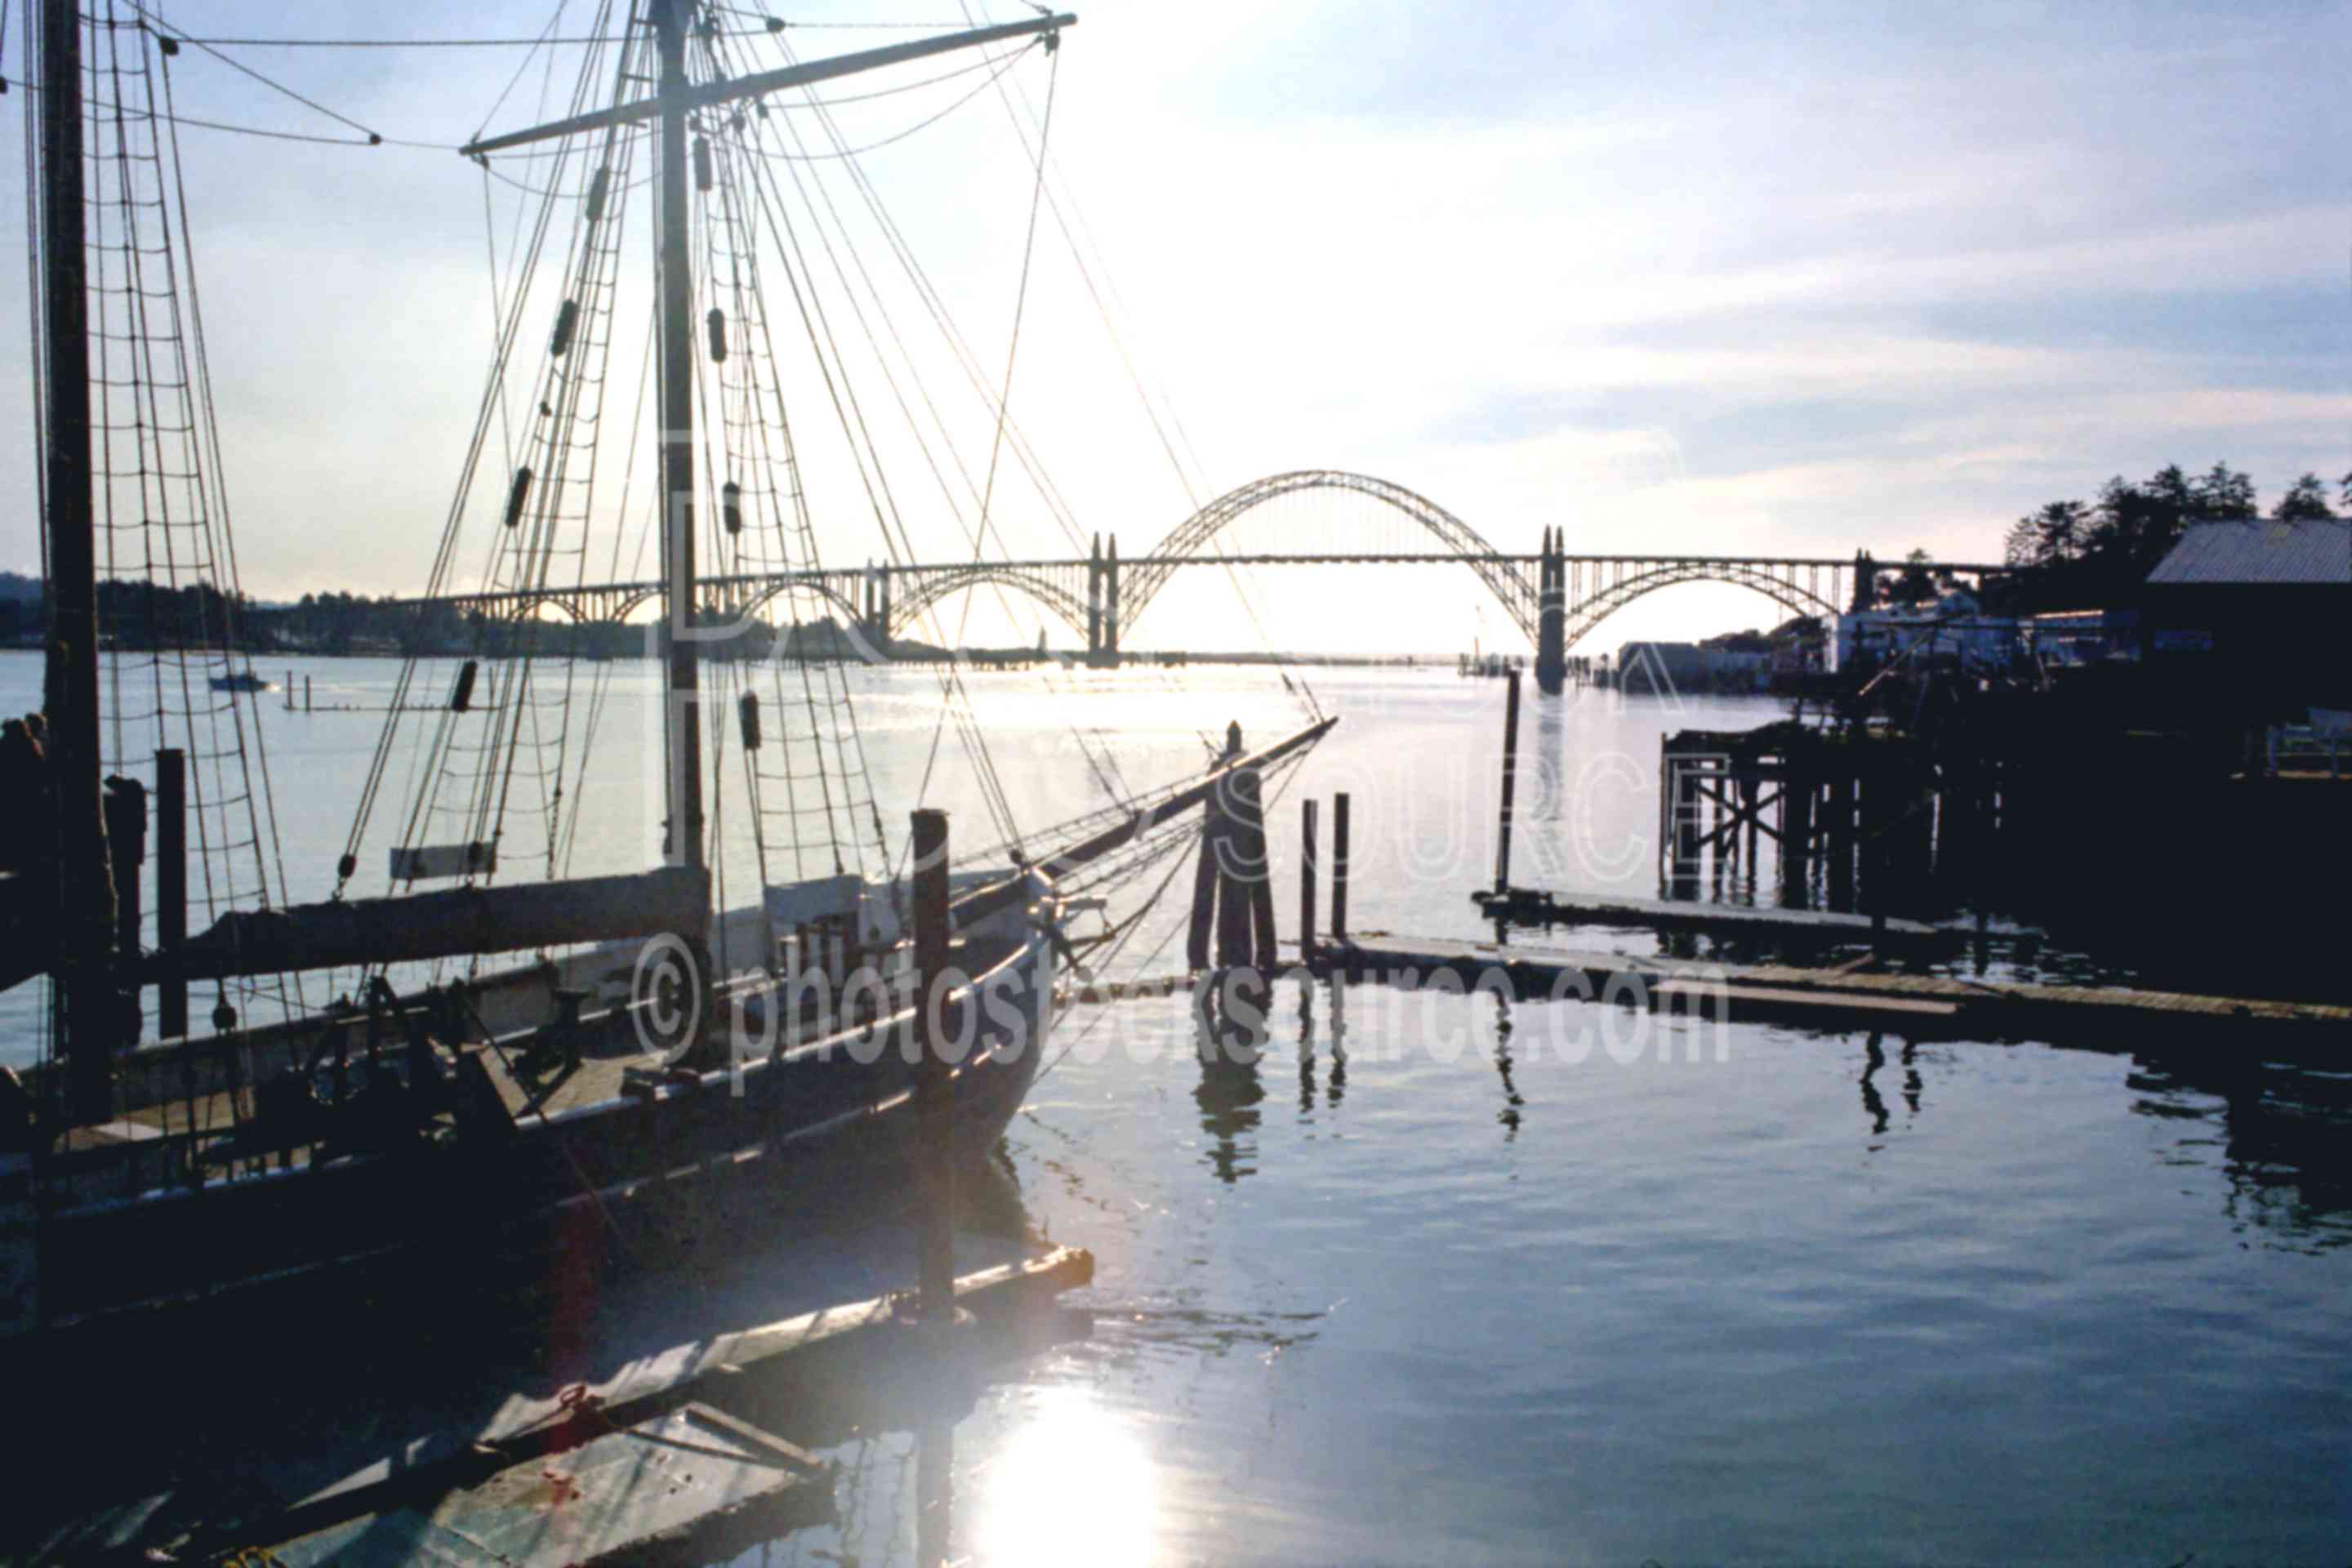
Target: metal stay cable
(1005, 395)
(832, 368)
(957, 697)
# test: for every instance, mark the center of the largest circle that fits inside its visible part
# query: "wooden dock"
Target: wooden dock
(1533, 907)
(1847, 996)
(673, 1454)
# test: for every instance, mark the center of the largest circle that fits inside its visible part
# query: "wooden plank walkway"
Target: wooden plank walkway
(693, 1485)
(577, 1476)
(1845, 997)
(1529, 906)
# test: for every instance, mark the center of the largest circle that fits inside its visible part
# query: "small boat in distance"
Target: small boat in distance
(242, 680)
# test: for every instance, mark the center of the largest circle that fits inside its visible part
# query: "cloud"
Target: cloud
(1699, 277)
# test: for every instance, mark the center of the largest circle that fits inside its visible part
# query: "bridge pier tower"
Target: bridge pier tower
(874, 609)
(1552, 613)
(1102, 605)
(1111, 604)
(1094, 601)
(1866, 582)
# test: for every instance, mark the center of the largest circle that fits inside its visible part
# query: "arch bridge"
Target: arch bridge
(1554, 597)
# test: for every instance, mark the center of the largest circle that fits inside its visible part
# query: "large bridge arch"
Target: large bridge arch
(930, 588)
(1503, 578)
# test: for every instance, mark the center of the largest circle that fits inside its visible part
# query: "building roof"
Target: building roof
(2310, 550)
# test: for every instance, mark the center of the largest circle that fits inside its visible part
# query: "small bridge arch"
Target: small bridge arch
(1189, 538)
(933, 587)
(1780, 585)
(766, 594)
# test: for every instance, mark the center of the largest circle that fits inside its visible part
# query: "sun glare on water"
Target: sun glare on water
(1072, 1486)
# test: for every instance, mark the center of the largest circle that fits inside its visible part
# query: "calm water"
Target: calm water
(1436, 1284)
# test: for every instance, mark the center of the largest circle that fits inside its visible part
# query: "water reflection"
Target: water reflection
(2285, 1153)
(1306, 1045)
(1230, 1012)
(1512, 1100)
(1335, 1086)
(1874, 1103)
(935, 1493)
(1072, 1484)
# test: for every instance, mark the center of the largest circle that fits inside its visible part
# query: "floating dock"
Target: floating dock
(1842, 997)
(674, 1458)
(1529, 906)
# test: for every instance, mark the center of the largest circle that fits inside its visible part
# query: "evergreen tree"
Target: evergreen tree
(2305, 498)
(2059, 532)
(2224, 495)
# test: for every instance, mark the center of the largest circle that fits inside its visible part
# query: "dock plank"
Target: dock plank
(1524, 906)
(1839, 997)
(682, 1484)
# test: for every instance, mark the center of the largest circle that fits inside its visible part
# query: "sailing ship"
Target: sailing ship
(518, 1064)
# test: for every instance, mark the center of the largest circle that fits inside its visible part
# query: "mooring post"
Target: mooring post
(1510, 779)
(125, 805)
(172, 887)
(1340, 867)
(307, 706)
(1237, 870)
(1306, 826)
(934, 1090)
(1205, 882)
(1257, 869)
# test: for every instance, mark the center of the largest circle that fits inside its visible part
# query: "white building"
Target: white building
(1951, 632)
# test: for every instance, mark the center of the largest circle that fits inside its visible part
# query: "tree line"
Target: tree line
(2082, 551)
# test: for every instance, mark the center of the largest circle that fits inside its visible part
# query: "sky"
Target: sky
(1674, 278)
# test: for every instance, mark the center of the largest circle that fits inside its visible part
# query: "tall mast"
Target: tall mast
(85, 944)
(683, 707)
(673, 100)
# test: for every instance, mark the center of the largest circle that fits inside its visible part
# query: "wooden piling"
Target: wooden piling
(1841, 835)
(1510, 779)
(1340, 867)
(1254, 867)
(125, 806)
(1205, 883)
(1234, 926)
(172, 887)
(1796, 836)
(1306, 872)
(934, 1091)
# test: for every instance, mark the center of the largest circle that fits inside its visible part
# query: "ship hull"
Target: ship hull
(824, 1131)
